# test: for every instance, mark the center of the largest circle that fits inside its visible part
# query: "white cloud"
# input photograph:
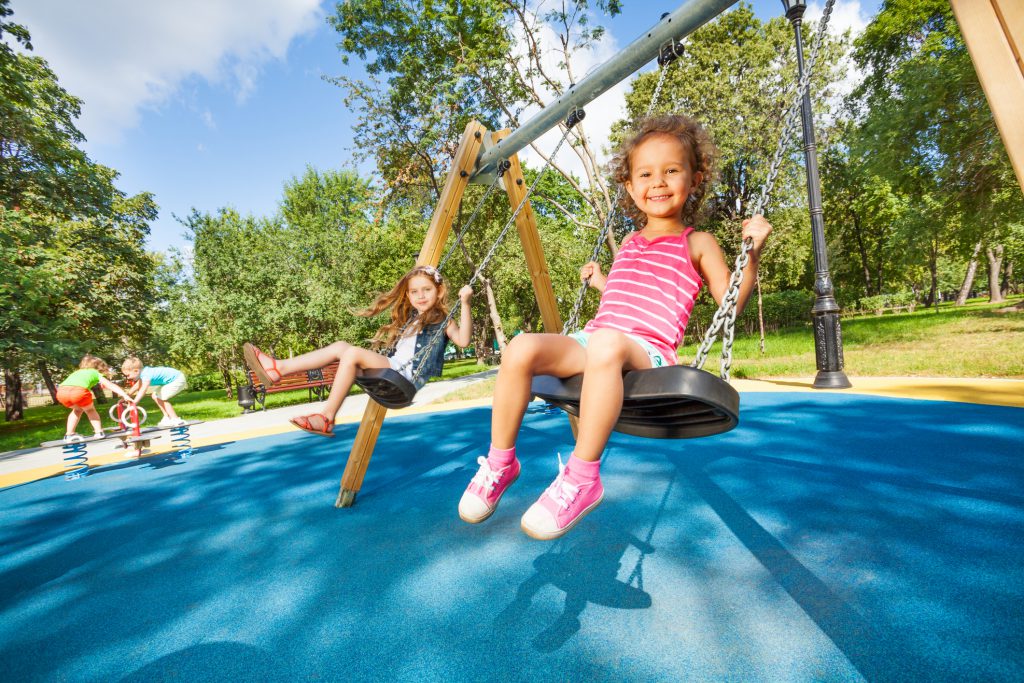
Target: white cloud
(121, 56)
(207, 117)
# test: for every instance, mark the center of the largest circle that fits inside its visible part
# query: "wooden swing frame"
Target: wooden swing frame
(455, 185)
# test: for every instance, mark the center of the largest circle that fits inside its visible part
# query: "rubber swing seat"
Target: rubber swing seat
(675, 402)
(387, 387)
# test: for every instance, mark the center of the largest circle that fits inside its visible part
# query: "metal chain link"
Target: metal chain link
(725, 316)
(472, 217)
(490, 254)
(574, 316)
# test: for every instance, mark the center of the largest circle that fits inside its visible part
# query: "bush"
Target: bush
(877, 304)
(781, 309)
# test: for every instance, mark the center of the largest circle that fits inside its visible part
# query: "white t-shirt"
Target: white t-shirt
(401, 360)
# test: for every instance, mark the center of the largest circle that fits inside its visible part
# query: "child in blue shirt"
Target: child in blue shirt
(163, 383)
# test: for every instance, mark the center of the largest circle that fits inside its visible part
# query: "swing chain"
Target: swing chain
(664, 64)
(503, 166)
(575, 117)
(725, 316)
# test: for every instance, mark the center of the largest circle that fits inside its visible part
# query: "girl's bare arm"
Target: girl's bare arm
(462, 333)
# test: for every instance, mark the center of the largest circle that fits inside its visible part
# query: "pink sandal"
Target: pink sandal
(303, 423)
(252, 358)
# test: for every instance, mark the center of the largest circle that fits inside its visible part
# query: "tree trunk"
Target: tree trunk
(97, 392)
(863, 251)
(972, 268)
(933, 270)
(995, 266)
(1007, 279)
(225, 374)
(50, 386)
(14, 406)
(492, 308)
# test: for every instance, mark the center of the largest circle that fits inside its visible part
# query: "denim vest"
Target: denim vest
(433, 363)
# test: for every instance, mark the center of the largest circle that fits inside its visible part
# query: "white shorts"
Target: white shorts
(658, 359)
(165, 392)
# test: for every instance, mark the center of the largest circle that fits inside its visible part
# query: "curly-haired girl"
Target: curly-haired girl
(418, 307)
(75, 392)
(646, 300)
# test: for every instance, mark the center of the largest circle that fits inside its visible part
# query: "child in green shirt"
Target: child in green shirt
(75, 392)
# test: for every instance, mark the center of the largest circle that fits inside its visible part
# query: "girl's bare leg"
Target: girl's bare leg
(314, 360)
(351, 361)
(73, 417)
(94, 419)
(528, 355)
(609, 354)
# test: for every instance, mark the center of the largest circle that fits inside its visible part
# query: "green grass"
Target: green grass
(970, 341)
(48, 422)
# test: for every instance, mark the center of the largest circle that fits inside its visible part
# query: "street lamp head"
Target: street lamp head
(794, 8)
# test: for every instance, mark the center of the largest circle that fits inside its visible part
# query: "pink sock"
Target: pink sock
(501, 457)
(582, 471)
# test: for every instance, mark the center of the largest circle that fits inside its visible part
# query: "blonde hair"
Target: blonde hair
(702, 159)
(92, 362)
(131, 363)
(402, 310)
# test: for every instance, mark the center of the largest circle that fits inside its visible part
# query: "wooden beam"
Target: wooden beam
(526, 224)
(994, 33)
(433, 244)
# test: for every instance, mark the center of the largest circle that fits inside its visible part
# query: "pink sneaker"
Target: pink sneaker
(561, 506)
(485, 490)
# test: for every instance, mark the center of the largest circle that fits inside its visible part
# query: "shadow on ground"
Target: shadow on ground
(829, 537)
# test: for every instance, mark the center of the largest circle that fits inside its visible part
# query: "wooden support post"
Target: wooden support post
(430, 254)
(526, 224)
(994, 33)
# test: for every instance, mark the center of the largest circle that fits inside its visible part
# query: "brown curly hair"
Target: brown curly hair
(703, 155)
(92, 362)
(402, 310)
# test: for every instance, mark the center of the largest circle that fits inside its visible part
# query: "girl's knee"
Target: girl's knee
(349, 355)
(522, 350)
(340, 348)
(607, 347)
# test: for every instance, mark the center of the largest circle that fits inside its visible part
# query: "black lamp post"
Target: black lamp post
(828, 339)
(246, 398)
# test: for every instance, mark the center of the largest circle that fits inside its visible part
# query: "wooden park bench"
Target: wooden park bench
(318, 382)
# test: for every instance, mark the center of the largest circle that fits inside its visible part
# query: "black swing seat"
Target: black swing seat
(675, 402)
(387, 387)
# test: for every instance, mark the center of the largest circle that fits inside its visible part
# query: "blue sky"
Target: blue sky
(209, 104)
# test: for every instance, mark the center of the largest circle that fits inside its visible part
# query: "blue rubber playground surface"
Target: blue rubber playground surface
(830, 537)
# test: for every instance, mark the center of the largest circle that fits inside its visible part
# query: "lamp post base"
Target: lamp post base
(831, 379)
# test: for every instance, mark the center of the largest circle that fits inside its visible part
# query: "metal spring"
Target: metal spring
(76, 460)
(182, 441)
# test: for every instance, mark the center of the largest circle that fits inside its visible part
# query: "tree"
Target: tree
(925, 125)
(493, 61)
(76, 238)
(42, 168)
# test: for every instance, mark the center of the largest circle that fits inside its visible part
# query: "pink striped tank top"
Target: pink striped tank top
(650, 292)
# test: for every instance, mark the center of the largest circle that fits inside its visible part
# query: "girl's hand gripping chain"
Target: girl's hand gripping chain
(592, 271)
(465, 294)
(757, 229)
